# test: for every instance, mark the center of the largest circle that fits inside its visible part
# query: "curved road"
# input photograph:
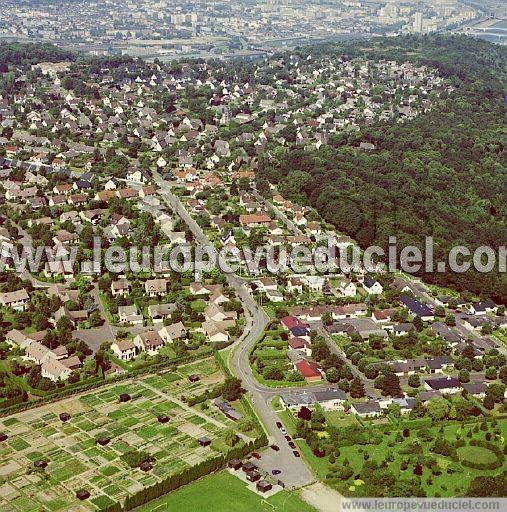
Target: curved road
(295, 472)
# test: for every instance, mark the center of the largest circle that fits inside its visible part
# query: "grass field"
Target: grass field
(76, 461)
(224, 492)
(454, 478)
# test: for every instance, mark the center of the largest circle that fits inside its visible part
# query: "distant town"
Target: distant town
(164, 30)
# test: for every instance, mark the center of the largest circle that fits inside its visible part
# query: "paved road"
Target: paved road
(295, 472)
(369, 384)
(279, 214)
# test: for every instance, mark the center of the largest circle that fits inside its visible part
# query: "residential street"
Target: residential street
(295, 473)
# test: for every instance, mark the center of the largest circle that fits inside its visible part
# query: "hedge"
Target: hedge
(96, 382)
(173, 482)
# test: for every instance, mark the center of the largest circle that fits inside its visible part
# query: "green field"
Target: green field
(224, 492)
(75, 460)
(452, 478)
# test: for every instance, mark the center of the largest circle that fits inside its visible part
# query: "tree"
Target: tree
(488, 402)
(450, 320)
(487, 329)
(464, 376)
(414, 381)
(333, 375)
(438, 408)
(357, 388)
(304, 413)
(487, 486)
(230, 438)
(502, 374)
(231, 389)
(418, 323)
(440, 311)
(490, 373)
(418, 411)
(496, 391)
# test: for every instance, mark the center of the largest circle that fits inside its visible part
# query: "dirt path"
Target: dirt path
(321, 497)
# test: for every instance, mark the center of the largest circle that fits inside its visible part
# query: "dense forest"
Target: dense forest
(442, 174)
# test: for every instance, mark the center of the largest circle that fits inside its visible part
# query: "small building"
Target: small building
(443, 384)
(204, 441)
(193, 377)
(103, 441)
(64, 416)
(309, 370)
(146, 466)
(163, 418)
(40, 464)
(249, 466)
(367, 409)
(235, 464)
(82, 494)
(253, 476)
(3, 437)
(125, 397)
(263, 486)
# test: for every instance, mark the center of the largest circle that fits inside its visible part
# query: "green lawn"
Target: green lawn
(224, 492)
(476, 454)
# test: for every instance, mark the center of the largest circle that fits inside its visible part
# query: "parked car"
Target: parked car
(256, 455)
(279, 424)
(275, 447)
(296, 453)
(292, 445)
(288, 438)
(283, 431)
(275, 472)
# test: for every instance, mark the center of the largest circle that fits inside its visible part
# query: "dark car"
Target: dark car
(288, 438)
(275, 472)
(275, 447)
(296, 453)
(256, 455)
(279, 424)
(292, 445)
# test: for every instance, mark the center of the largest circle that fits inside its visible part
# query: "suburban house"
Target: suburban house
(172, 332)
(372, 286)
(367, 409)
(160, 312)
(155, 287)
(124, 350)
(445, 385)
(300, 345)
(17, 300)
(55, 370)
(129, 315)
(482, 308)
(348, 288)
(149, 341)
(418, 308)
(309, 370)
(120, 288)
(330, 399)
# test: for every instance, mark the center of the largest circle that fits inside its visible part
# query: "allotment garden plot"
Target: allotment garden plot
(76, 461)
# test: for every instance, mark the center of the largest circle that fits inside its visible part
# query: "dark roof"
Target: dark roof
(369, 282)
(367, 407)
(417, 308)
(443, 383)
(482, 306)
(82, 494)
(330, 394)
(475, 388)
(405, 327)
